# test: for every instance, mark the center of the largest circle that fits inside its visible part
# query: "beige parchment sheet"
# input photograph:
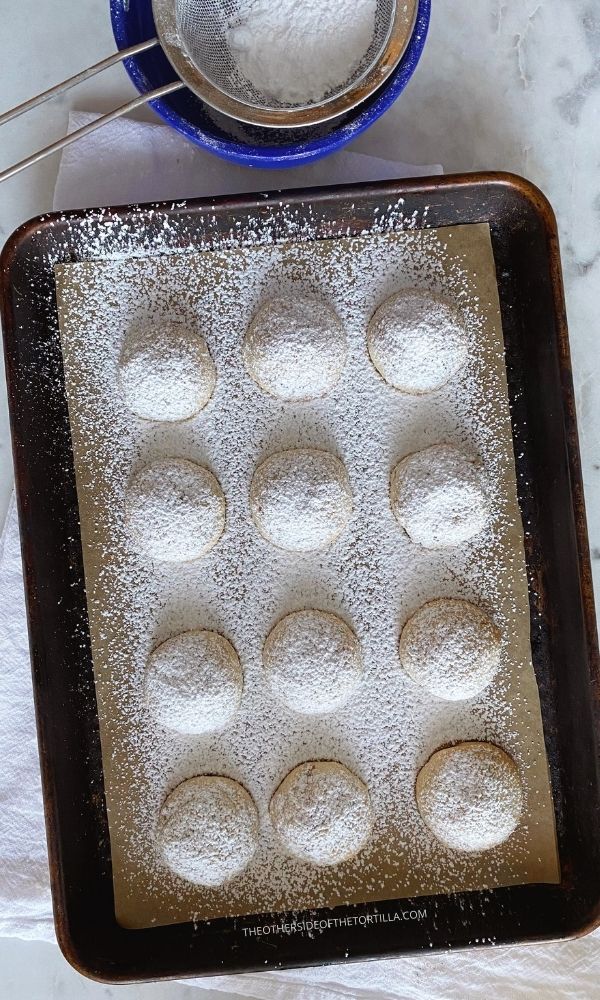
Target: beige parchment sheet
(133, 606)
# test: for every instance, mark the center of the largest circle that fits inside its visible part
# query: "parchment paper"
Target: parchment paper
(133, 606)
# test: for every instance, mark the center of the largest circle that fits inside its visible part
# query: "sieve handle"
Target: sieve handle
(67, 140)
(60, 88)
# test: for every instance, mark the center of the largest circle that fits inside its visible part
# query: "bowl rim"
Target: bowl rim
(230, 103)
(297, 152)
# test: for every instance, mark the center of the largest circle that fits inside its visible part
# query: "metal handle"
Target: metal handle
(60, 88)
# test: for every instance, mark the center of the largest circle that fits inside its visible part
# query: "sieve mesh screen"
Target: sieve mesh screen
(204, 28)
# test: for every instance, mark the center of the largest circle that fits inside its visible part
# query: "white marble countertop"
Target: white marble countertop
(510, 86)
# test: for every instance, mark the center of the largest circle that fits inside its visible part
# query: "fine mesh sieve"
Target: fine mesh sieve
(194, 36)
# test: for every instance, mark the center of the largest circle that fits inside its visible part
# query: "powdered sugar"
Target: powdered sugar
(193, 682)
(297, 51)
(451, 648)
(295, 348)
(322, 813)
(175, 510)
(372, 576)
(417, 341)
(208, 830)
(470, 796)
(166, 374)
(313, 661)
(301, 499)
(438, 498)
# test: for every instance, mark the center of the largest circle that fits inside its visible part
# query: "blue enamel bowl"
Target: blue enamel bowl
(250, 145)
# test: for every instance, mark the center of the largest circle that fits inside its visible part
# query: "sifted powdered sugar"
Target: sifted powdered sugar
(295, 348)
(175, 510)
(301, 499)
(297, 51)
(193, 682)
(417, 341)
(207, 830)
(372, 576)
(313, 661)
(470, 796)
(451, 648)
(437, 496)
(166, 374)
(322, 813)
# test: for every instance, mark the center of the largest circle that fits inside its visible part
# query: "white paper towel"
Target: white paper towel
(126, 162)
(129, 161)
(25, 908)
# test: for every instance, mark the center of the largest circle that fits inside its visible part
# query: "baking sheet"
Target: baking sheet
(218, 291)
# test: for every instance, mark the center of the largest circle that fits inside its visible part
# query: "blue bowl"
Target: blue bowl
(249, 145)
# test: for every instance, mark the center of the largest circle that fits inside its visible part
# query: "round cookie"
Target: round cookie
(417, 341)
(175, 510)
(193, 682)
(322, 813)
(451, 648)
(166, 374)
(295, 348)
(301, 499)
(437, 497)
(207, 830)
(470, 796)
(313, 661)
